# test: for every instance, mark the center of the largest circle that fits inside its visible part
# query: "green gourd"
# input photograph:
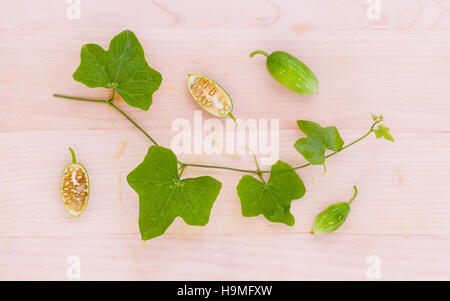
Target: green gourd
(290, 72)
(333, 217)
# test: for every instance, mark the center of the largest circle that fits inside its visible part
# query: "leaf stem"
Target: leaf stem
(112, 95)
(181, 170)
(134, 123)
(79, 98)
(110, 102)
(258, 169)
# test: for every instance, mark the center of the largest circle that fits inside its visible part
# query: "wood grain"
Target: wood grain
(398, 65)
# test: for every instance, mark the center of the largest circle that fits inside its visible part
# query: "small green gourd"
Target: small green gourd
(290, 72)
(333, 217)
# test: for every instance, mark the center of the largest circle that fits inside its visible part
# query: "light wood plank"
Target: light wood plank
(398, 65)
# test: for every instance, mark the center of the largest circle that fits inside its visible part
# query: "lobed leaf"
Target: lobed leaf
(272, 199)
(317, 141)
(383, 132)
(122, 68)
(163, 195)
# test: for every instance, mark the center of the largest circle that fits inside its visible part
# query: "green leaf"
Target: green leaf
(377, 118)
(318, 140)
(122, 67)
(383, 132)
(272, 199)
(163, 195)
(374, 117)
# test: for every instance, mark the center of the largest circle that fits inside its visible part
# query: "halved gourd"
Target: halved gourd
(210, 96)
(75, 187)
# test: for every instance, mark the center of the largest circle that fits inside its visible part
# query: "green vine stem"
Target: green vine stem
(110, 102)
(79, 98)
(184, 165)
(297, 167)
(134, 123)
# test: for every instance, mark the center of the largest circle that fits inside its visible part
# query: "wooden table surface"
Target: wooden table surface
(397, 64)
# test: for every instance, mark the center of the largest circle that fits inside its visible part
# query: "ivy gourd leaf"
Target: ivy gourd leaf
(383, 132)
(163, 195)
(272, 199)
(375, 117)
(122, 68)
(317, 141)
